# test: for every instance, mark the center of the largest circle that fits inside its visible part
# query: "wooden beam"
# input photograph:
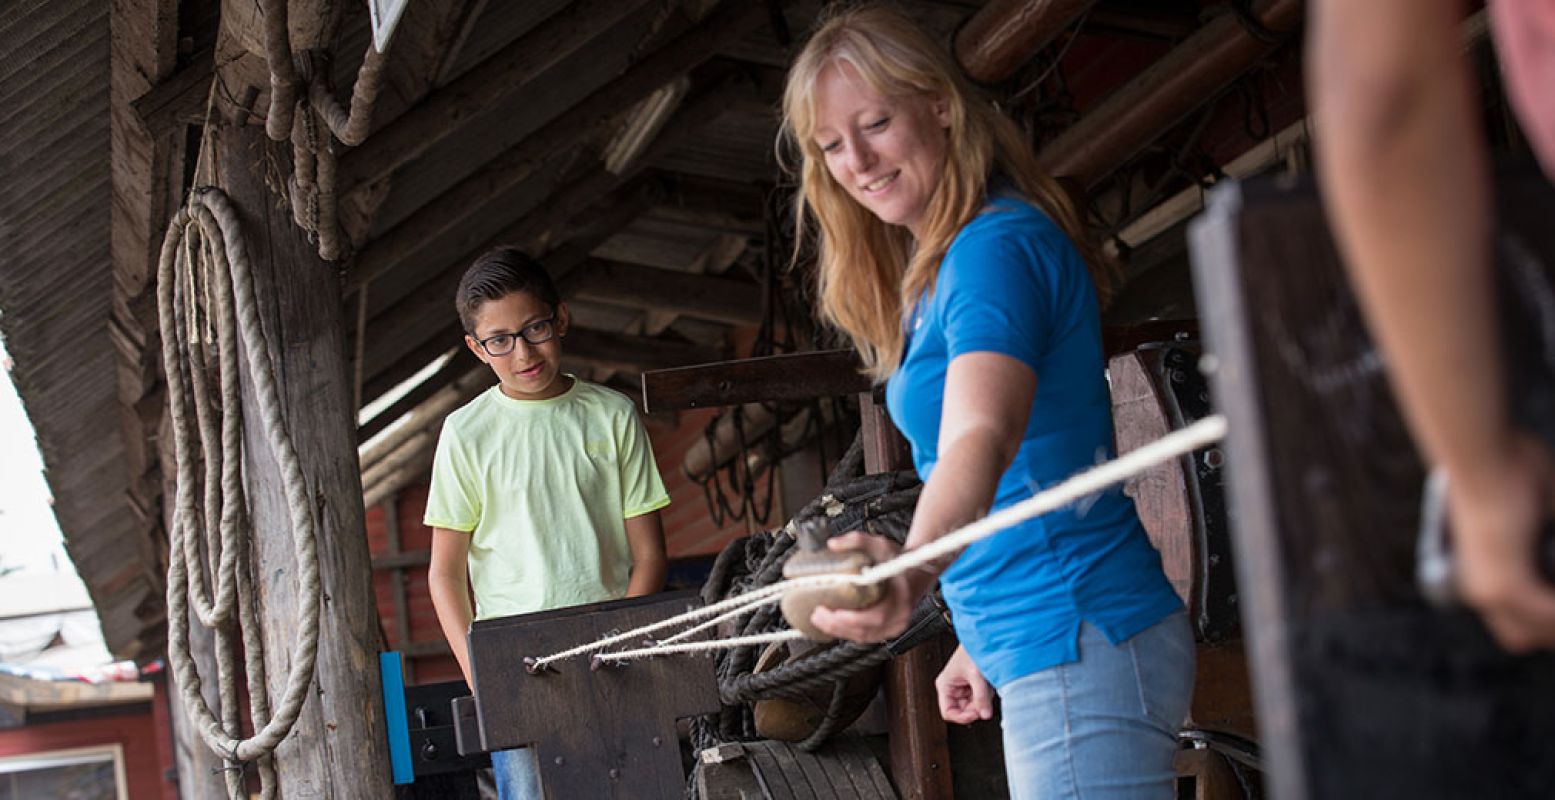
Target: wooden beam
(399, 458)
(462, 101)
(179, 99)
(635, 353)
(1004, 34)
(457, 366)
(1153, 101)
(1146, 20)
(470, 16)
(49, 695)
(418, 440)
(919, 747)
(427, 417)
(374, 386)
(410, 472)
(721, 205)
(708, 297)
(437, 216)
(797, 376)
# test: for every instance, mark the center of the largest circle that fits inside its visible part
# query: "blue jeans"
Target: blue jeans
(517, 773)
(1103, 727)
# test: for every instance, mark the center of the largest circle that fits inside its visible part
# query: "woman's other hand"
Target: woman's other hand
(1497, 518)
(964, 694)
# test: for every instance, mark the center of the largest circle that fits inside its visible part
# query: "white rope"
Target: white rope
(718, 620)
(1173, 445)
(701, 647)
(1200, 434)
(742, 602)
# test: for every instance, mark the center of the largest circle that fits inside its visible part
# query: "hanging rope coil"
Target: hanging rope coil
(301, 103)
(204, 258)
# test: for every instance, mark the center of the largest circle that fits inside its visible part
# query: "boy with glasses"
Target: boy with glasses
(544, 490)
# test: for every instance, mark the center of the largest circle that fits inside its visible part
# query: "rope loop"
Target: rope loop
(304, 99)
(204, 259)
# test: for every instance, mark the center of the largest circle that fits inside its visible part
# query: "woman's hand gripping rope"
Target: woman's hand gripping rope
(858, 615)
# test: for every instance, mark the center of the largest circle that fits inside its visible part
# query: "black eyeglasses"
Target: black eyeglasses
(538, 332)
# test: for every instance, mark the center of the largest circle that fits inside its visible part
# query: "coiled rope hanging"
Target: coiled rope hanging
(297, 115)
(205, 295)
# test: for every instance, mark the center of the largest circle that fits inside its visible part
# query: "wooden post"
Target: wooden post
(920, 751)
(338, 747)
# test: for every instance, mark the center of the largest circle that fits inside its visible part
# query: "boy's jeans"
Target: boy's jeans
(517, 773)
(1104, 727)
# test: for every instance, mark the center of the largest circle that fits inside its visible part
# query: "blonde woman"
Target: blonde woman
(960, 272)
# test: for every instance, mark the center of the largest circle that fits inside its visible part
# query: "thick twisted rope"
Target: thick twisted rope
(1173, 445)
(205, 242)
(296, 115)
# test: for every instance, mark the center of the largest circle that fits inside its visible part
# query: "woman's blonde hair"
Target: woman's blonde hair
(870, 271)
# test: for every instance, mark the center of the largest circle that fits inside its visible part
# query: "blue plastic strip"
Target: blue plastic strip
(395, 719)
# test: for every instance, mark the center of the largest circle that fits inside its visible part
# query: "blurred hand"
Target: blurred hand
(1497, 517)
(964, 695)
(885, 619)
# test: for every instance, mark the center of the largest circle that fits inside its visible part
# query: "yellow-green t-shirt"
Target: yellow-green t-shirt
(544, 488)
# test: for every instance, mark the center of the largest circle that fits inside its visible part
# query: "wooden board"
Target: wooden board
(1363, 690)
(1155, 390)
(797, 376)
(607, 733)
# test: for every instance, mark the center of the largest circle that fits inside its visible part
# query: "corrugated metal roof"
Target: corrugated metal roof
(56, 287)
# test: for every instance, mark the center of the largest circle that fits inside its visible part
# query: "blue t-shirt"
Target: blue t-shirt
(1012, 283)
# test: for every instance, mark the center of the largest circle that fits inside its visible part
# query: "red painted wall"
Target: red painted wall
(134, 731)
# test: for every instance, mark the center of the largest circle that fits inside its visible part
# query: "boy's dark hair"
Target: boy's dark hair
(499, 273)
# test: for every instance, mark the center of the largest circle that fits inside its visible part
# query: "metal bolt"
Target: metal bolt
(429, 752)
(657, 741)
(615, 773)
(560, 761)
